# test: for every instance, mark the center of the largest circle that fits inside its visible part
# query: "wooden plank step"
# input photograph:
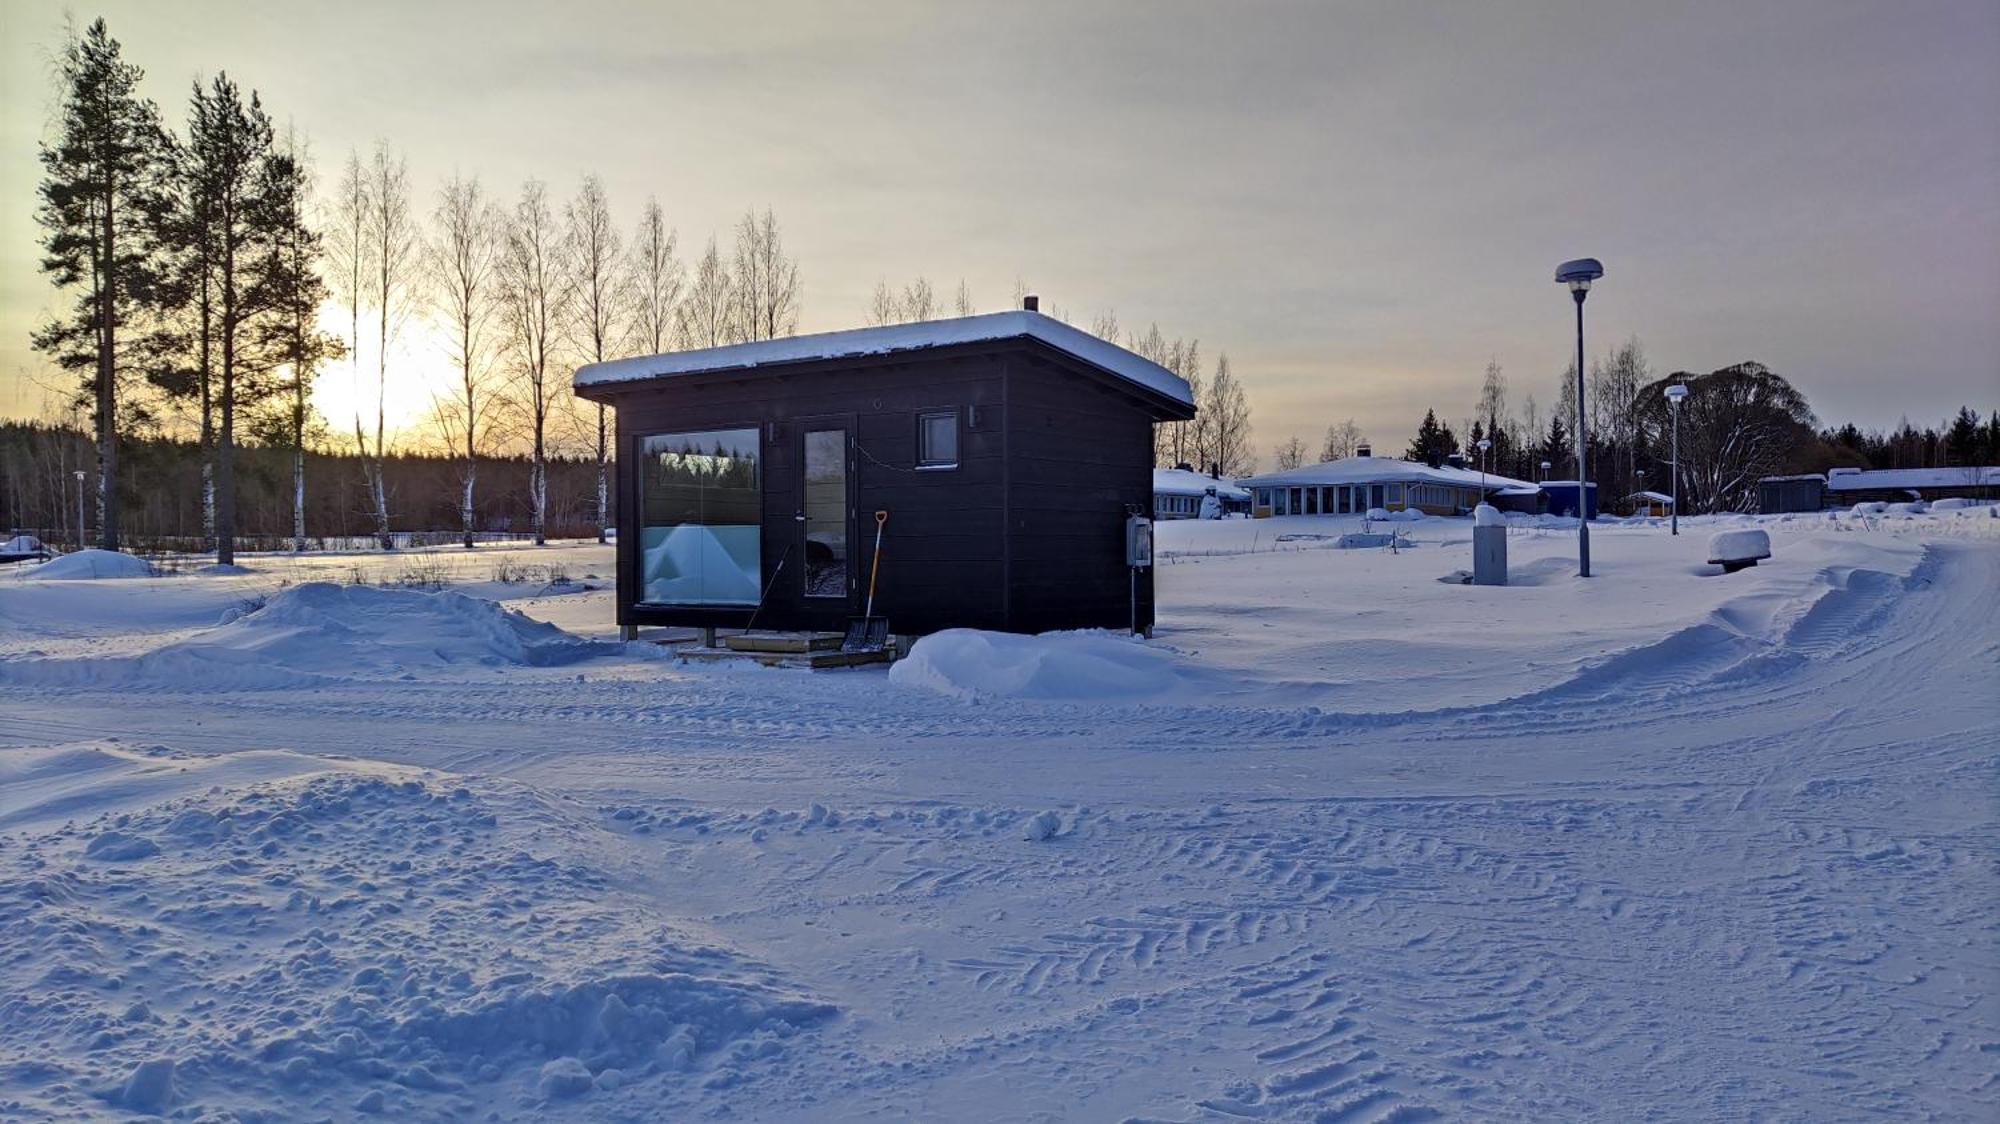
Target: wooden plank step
(818, 660)
(783, 642)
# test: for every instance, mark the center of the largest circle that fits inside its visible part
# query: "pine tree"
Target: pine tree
(229, 142)
(1555, 450)
(1964, 443)
(1433, 442)
(290, 286)
(104, 198)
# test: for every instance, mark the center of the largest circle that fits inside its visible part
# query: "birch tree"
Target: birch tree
(535, 304)
(463, 260)
(656, 280)
(393, 254)
(1342, 441)
(961, 300)
(292, 289)
(885, 306)
(597, 308)
(347, 265)
(764, 281)
(1228, 433)
(919, 301)
(705, 314)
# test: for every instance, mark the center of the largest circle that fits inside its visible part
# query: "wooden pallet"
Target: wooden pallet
(783, 643)
(810, 658)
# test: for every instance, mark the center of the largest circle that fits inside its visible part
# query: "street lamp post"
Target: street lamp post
(1578, 275)
(1545, 472)
(1675, 393)
(79, 509)
(1484, 444)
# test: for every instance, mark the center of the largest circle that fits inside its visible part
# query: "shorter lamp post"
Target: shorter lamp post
(1641, 474)
(1675, 393)
(1545, 472)
(1578, 275)
(79, 509)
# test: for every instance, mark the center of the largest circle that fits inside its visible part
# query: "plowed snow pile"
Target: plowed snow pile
(88, 564)
(354, 940)
(970, 663)
(322, 629)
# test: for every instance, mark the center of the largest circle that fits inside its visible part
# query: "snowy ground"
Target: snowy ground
(1344, 842)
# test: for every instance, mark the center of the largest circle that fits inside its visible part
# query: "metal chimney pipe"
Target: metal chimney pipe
(1031, 303)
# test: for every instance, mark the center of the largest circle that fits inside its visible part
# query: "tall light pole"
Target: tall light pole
(1675, 393)
(1485, 443)
(1578, 275)
(79, 509)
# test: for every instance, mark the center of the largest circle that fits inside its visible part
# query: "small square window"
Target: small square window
(937, 439)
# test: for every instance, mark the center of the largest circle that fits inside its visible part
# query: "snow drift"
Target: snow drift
(969, 663)
(87, 564)
(324, 630)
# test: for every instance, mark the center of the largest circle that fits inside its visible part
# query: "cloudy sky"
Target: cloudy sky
(1360, 203)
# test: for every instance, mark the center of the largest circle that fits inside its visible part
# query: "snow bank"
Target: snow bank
(324, 630)
(88, 564)
(969, 663)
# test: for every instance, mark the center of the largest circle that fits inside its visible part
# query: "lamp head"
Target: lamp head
(1676, 392)
(1484, 444)
(1579, 274)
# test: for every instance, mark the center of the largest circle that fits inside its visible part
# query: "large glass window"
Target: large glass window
(701, 514)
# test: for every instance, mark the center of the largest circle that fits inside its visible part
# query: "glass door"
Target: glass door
(825, 513)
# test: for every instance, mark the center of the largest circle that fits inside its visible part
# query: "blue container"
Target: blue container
(1562, 497)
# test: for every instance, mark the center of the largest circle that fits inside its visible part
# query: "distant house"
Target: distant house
(1562, 498)
(1895, 485)
(1844, 486)
(1356, 484)
(1008, 450)
(1804, 492)
(1178, 492)
(1659, 505)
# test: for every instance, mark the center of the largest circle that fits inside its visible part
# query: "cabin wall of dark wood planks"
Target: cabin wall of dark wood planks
(1082, 451)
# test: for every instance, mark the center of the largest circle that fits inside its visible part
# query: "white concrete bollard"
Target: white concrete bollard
(1489, 546)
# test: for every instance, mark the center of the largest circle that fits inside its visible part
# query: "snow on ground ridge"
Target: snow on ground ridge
(350, 939)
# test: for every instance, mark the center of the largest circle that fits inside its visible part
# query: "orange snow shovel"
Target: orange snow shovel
(868, 632)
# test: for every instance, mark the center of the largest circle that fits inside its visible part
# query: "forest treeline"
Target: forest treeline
(164, 495)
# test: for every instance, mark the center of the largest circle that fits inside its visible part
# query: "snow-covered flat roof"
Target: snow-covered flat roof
(894, 338)
(1381, 470)
(1181, 482)
(1656, 497)
(1868, 480)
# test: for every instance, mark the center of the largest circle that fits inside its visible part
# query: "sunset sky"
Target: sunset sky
(1360, 203)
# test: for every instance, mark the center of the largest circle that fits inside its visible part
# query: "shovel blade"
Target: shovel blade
(866, 634)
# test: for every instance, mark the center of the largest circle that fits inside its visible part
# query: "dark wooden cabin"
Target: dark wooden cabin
(1007, 449)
